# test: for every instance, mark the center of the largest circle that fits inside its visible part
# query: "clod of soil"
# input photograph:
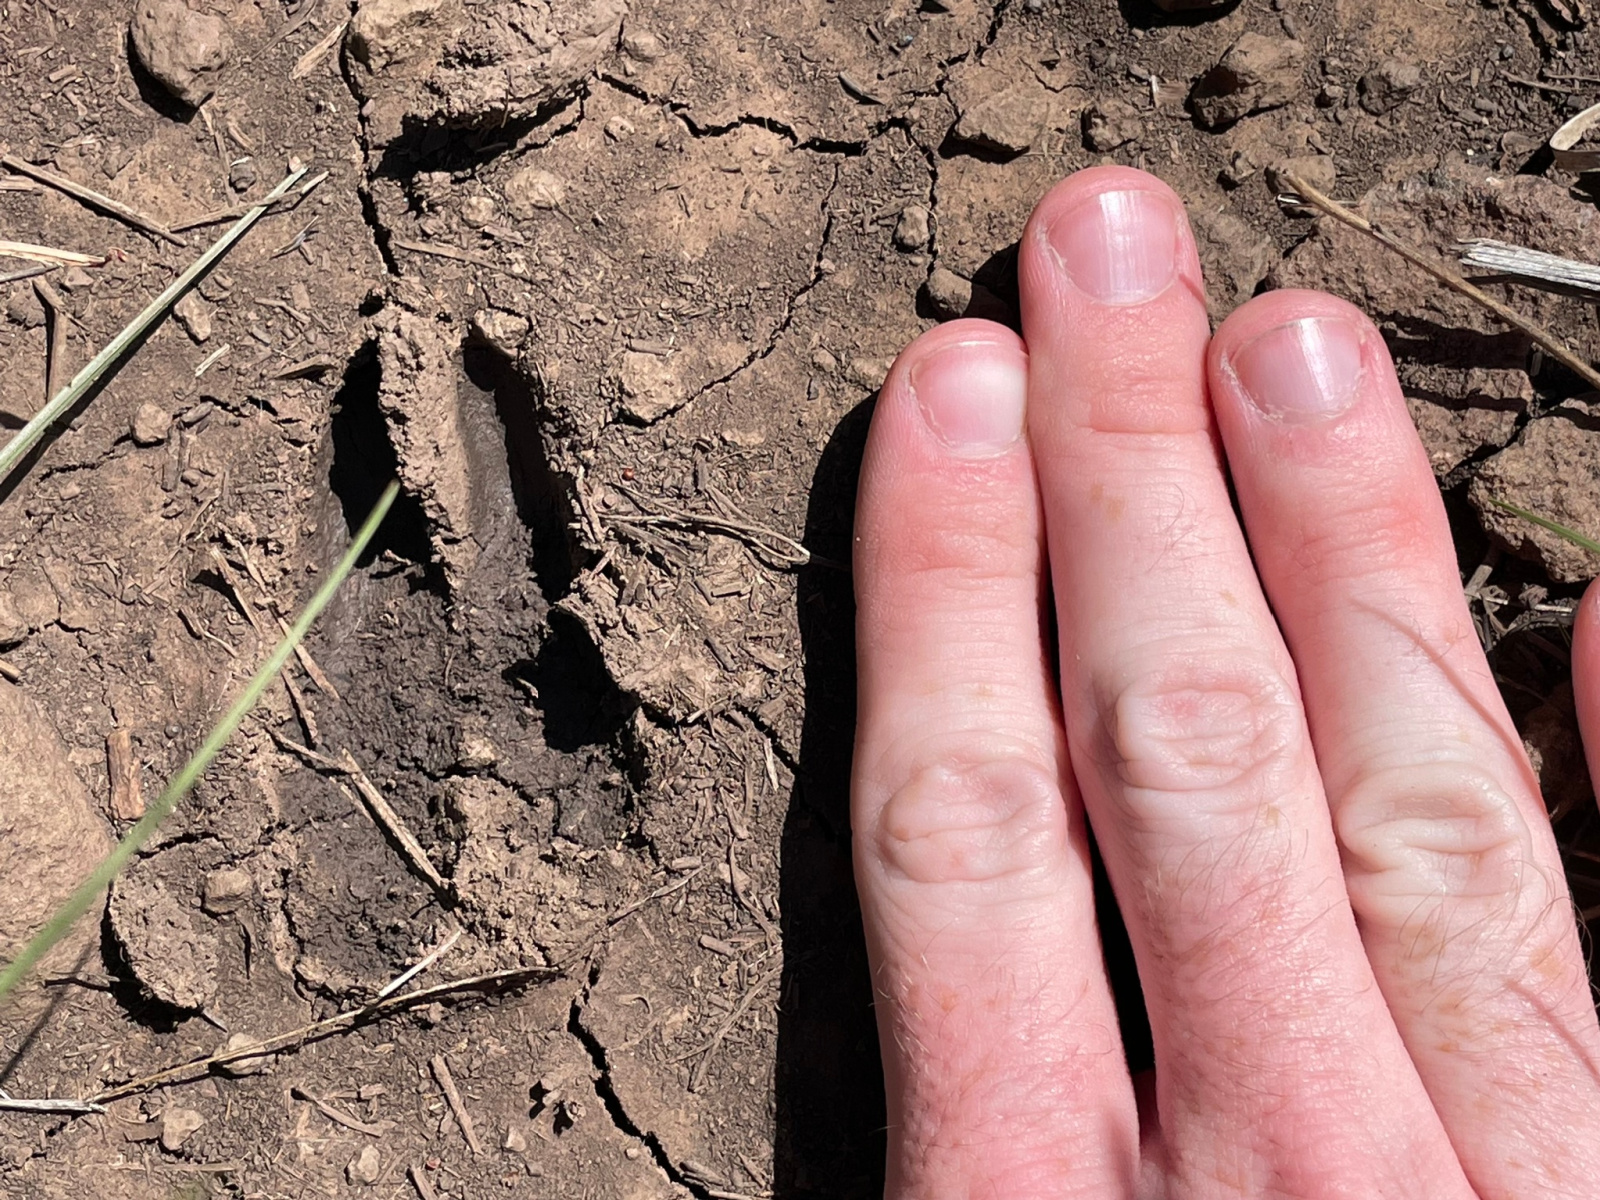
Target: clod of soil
(1553, 470)
(182, 48)
(51, 831)
(173, 958)
(1256, 74)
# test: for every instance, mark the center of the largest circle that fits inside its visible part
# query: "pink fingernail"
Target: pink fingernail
(973, 396)
(1119, 247)
(1306, 370)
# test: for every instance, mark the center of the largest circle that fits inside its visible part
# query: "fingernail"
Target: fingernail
(1307, 370)
(973, 396)
(1119, 247)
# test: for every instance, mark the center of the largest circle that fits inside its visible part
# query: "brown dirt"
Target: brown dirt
(610, 284)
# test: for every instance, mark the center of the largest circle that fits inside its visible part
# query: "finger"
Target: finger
(1278, 1069)
(1450, 863)
(1001, 1052)
(1586, 675)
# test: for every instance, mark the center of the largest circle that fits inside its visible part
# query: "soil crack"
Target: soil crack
(607, 1092)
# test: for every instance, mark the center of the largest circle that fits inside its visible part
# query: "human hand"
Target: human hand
(1356, 943)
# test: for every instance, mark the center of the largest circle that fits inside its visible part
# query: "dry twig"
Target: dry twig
(1551, 344)
(386, 817)
(127, 796)
(50, 256)
(309, 60)
(426, 961)
(56, 350)
(452, 1096)
(92, 198)
(339, 1117)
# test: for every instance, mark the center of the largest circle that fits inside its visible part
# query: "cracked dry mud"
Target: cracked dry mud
(610, 286)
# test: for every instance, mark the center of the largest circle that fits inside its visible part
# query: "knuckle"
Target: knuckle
(975, 814)
(1205, 725)
(1445, 830)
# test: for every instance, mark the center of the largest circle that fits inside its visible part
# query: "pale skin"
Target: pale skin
(1357, 948)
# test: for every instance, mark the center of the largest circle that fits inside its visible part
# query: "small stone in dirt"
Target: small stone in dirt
(255, 1064)
(1318, 170)
(477, 211)
(194, 314)
(1257, 73)
(24, 308)
(948, 293)
(181, 48)
(382, 31)
(177, 1126)
(533, 189)
(868, 373)
(366, 1167)
(226, 891)
(242, 174)
(1010, 122)
(150, 425)
(514, 1141)
(76, 279)
(619, 128)
(475, 752)
(500, 330)
(642, 45)
(1388, 85)
(911, 231)
(1108, 124)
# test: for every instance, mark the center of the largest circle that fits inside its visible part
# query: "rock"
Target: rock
(1257, 73)
(242, 175)
(150, 425)
(194, 314)
(255, 1064)
(619, 128)
(1553, 470)
(12, 626)
(181, 48)
(532, 189)
(867, 373)
(24, 307)
(178, 1125)
(642, 45)
(477, 211)
(1009, 122)
(226, 891)
(53, 835)
(947, 293)
(1234, 255)
(386, 31)
(515, 1141)
(911, 231)
(366, 1167)
(1316, 169)
(1108, 124)
(500, 330)
(1388, 85)
(174, 961)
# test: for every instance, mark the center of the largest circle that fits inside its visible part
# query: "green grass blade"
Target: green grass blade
(84, 896)
(101, 364)
(1572, 535)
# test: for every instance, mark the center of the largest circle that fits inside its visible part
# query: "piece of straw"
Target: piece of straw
(101, 364)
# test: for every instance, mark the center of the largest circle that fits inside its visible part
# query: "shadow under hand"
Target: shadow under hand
(830, 1109)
